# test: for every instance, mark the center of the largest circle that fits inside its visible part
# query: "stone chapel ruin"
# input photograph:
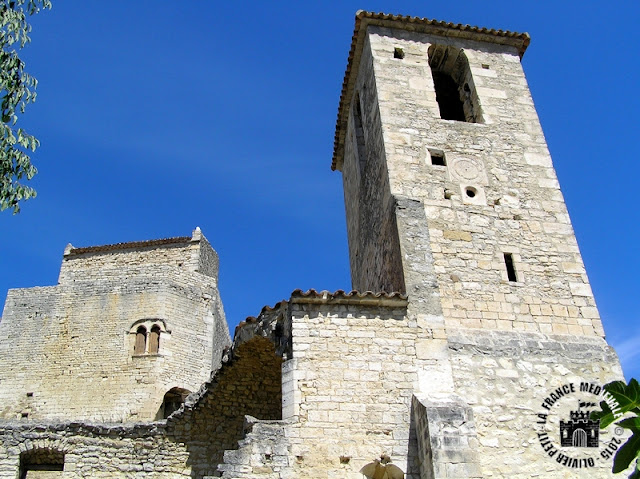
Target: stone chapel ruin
(470, 332)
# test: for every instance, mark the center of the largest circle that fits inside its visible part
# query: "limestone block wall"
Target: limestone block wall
(446, 438)
(192, 253)
(67, 352)
(505, 377)
(353, 372)
(517, 207)
(263, 453)
(374, 248)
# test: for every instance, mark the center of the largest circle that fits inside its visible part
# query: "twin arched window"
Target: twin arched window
(147, 341)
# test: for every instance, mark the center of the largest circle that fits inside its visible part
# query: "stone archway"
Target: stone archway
(41, 463)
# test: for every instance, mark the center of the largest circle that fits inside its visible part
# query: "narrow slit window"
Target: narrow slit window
(511, 269)
(360, 141)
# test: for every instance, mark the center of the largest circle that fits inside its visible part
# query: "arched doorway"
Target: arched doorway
(41, 463)
(579, 438)
(172, 401)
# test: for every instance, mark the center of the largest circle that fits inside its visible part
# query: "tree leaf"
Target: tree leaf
(627, 396)
(17, 89)
(632, 423)
(605, 416)
(627, 453)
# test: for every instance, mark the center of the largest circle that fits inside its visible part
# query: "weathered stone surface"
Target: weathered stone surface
(481, 308)
(67, 351)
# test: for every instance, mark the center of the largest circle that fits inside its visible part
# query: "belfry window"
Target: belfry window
(455, 93)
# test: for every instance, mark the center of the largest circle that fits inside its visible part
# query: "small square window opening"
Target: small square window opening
(437, 158)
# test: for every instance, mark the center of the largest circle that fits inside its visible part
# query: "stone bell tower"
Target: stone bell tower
(452, 198)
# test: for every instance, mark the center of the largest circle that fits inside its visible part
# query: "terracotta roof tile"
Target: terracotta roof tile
(71, 251)
(337, 297)
(424, 25)
(340, 296)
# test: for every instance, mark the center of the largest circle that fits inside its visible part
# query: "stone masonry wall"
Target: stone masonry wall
(96, 451)
(264, 453)
(502, 341)
(374, 248)
(190, 444)
(506, 376)
(517, 207)
(193, 254)
(67, 352)
(250, 385)
(354, 369)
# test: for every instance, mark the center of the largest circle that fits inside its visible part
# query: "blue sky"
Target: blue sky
(159, 116)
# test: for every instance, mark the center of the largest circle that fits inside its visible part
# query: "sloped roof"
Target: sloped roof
(351, 297)
(71, 251)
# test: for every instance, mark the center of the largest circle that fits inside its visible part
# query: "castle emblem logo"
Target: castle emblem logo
(579, 430)
(566, 432)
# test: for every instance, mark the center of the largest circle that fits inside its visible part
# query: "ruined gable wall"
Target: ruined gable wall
(249, 385)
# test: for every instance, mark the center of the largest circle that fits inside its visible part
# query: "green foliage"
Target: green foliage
(17, 89)
(625, 400)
